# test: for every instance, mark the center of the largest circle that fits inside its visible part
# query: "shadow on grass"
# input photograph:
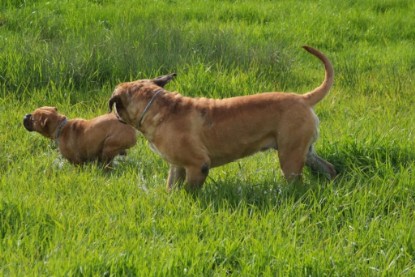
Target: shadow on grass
(266, 195)
(370, 159)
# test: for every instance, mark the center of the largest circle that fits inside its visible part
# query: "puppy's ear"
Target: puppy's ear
(161, 81)
(114, 100)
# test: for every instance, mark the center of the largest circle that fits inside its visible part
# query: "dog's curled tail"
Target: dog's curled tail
(314, 96)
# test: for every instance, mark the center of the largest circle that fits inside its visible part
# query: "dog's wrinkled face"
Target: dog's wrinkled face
(131, 98)
(43, 120)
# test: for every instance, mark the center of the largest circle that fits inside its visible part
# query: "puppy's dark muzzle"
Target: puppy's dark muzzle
(27, 122)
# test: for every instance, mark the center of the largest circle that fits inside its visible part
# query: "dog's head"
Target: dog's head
(131, 98)
(43, 120)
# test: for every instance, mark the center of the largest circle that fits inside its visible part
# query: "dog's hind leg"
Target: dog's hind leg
(106, 159)
(292, 158)
(292, 169)
(177, 176)
(318, 164)
(110, 150)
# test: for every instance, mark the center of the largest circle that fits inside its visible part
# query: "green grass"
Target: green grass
(57, 219)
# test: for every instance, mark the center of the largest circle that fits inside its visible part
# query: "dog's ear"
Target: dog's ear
(161, 81)
(43, 122)
(114, 100)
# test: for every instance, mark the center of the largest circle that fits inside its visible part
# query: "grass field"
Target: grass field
(61, 220)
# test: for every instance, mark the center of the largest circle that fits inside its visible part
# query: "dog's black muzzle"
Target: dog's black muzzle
(27, 122)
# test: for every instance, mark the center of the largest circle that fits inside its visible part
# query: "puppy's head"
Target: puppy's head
(131, 98)
(43, 120)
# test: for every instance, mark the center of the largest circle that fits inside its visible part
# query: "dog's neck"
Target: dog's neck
(59, 129)
(156, 93)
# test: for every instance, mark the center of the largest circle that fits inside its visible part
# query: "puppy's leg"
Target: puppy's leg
(111, 148)
(318, 164)
(176, 176)
(107, 156)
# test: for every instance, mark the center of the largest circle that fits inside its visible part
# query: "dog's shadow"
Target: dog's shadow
(371, 159)
(230, 194)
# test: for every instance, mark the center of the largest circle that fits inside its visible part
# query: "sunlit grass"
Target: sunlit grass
(58, 219)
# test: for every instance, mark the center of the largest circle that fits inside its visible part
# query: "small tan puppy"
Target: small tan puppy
(196, 134)
(79, 140)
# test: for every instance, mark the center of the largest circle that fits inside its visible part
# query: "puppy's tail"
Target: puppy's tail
(314, 96)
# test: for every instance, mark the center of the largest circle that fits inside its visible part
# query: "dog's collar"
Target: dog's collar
(59, 129)
(156, 93)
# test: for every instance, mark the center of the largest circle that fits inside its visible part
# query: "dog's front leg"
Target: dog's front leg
(176, 176)
(195, 177)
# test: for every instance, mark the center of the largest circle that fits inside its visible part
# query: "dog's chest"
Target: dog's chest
(155, 150)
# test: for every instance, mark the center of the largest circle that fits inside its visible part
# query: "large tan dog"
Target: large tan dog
(80, 140)
(196, 134)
